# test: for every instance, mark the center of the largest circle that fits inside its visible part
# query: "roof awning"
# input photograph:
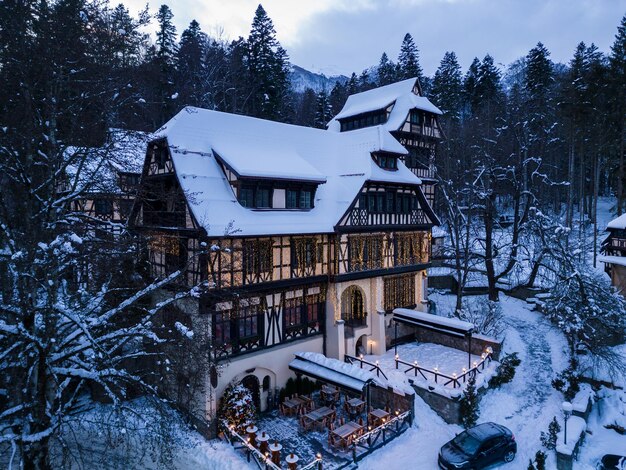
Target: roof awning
(332, 371)
(450, 326)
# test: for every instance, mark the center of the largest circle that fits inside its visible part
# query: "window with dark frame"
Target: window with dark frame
(248, 322)
(257, 256)
(103, 207)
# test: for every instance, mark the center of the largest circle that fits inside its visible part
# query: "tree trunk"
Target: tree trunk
(489, 267)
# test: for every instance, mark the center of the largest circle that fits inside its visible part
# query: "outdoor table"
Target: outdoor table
(307, 401)
(263, 438)
(292, 405)
(378, 417)
(321, 415)
(354, 406)
(329, 394)
(275, 449)
(252, 430)
(343, 435)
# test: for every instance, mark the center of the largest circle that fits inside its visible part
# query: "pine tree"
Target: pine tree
(386, 71)
(352, 86)
(469, 404)
(338, 96)
(165, 62)
(268, 66)
(408, 60)
(470, 86)
(365, 82)
(617, 109)
(447, 86)
(190, 66)
(323, 112)
(538, 77)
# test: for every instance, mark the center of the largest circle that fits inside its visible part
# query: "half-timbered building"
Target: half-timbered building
(111, 175)
(312, 237)
(614, 253)
(410, 117)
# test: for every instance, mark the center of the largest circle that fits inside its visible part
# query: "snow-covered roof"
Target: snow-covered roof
(199, 138)
(124, 152)
(618, 260)
(400, 95)
(333, 371)
(618, 223)
(452, 325)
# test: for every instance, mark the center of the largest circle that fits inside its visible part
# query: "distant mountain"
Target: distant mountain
(301, 79)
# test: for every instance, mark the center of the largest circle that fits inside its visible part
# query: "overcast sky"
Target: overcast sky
(342, 36)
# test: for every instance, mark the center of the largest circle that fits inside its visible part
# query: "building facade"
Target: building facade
(614, 253)
(306, 239)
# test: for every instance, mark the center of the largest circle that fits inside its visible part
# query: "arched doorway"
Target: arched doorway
(361, 346)
(251, 382)
(353, 307)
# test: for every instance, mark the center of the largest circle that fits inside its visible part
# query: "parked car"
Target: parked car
(612, 462)
(478, 447)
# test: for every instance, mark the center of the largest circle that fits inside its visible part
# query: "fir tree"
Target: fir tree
(617, 109)
(469, 404)
(386, 71)
(538, 77)
(365, 82)
(352, 86)
(191, 66)
(408, 60)
(165, 61)
(470, 86)
(447, 86)
(268, 65)
(337, 97)
(323, 112)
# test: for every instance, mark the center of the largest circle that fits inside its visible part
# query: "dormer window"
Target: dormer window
(266, 194)
(386, 161)
(252, 196)
(299, 199)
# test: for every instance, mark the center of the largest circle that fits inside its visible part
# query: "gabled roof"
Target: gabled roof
(198, 139)
(400, 95)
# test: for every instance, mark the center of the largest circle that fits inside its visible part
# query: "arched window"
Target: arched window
(353, 307)
(266, 383)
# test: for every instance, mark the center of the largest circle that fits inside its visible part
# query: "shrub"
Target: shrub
(505, 371)
(302, 385)
(549, 440)
(568, 381)
(540, 460)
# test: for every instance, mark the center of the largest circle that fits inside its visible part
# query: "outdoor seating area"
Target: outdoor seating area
(347, 415)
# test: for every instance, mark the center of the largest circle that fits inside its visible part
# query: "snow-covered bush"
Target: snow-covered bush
(505, 371)
(568, 381)
(237, 406)
(469, 404)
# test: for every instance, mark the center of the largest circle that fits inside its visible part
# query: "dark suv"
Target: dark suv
(478, 447)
